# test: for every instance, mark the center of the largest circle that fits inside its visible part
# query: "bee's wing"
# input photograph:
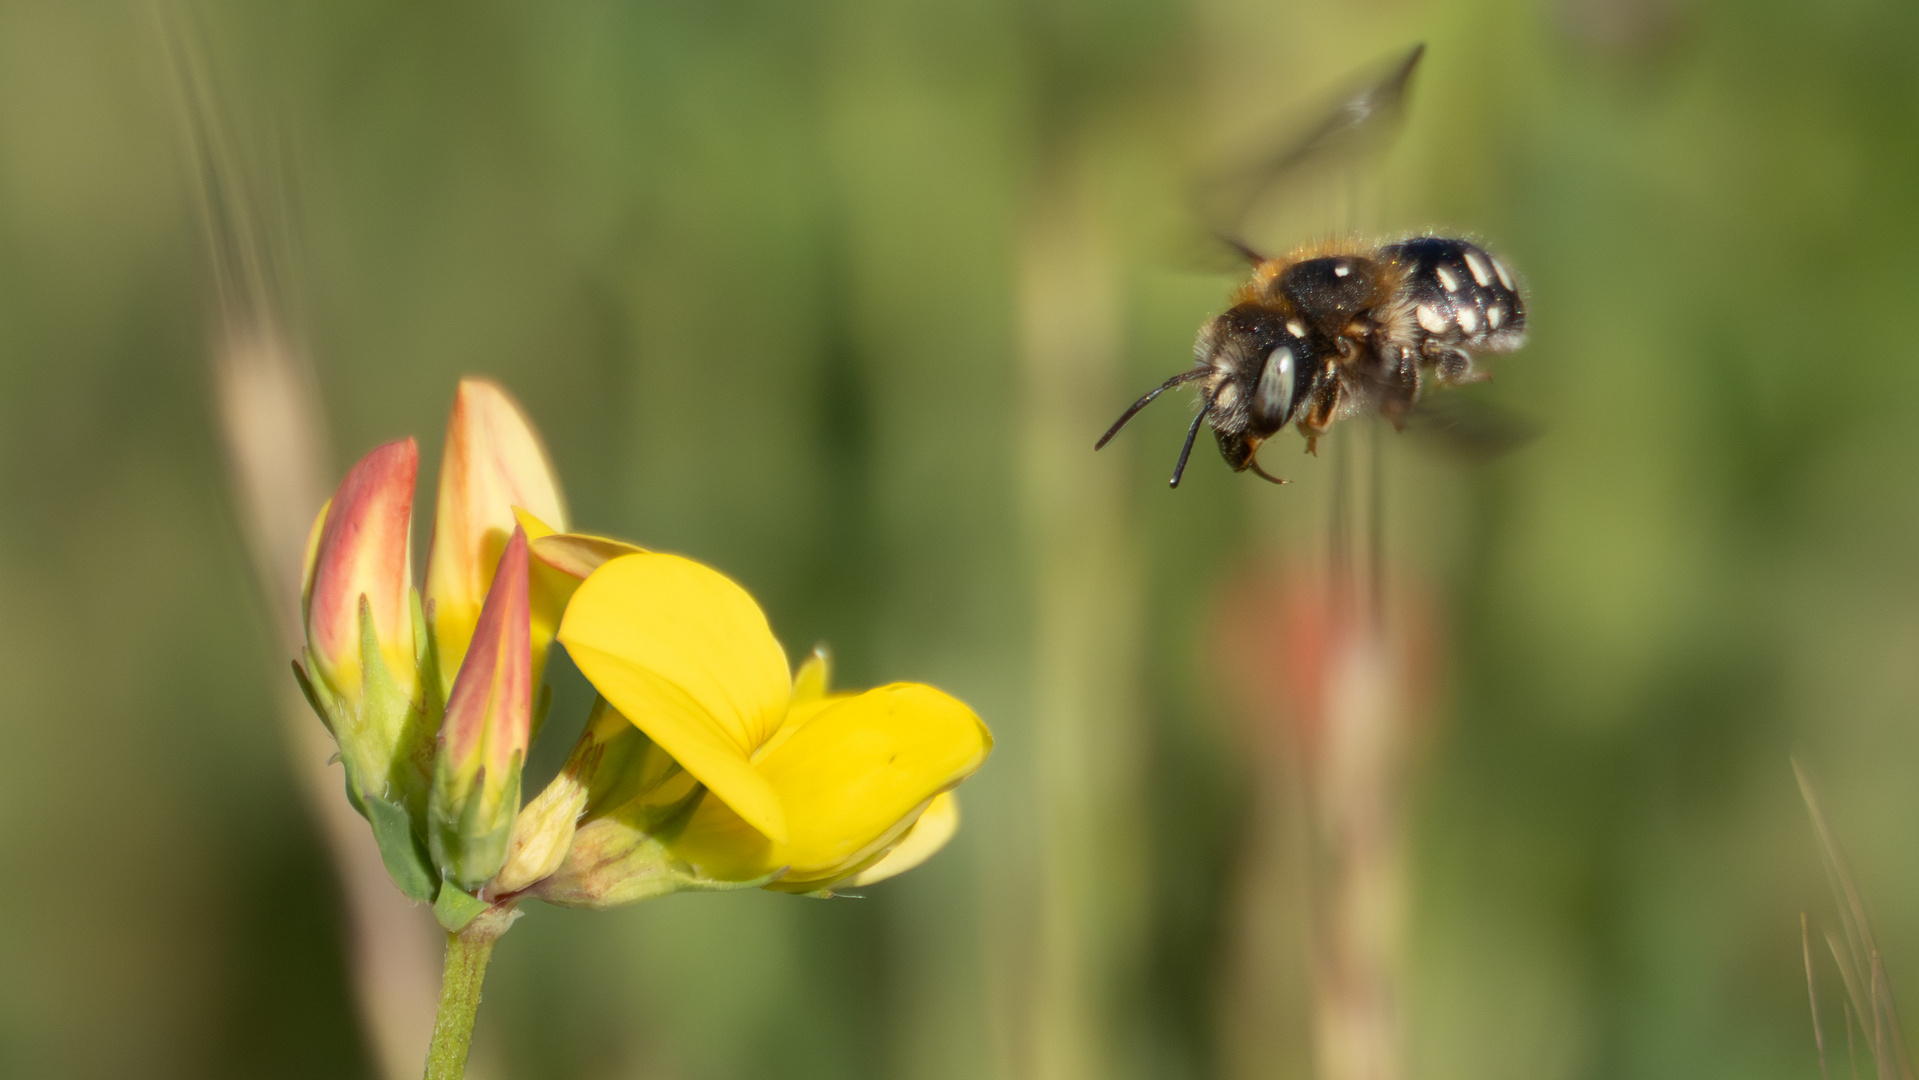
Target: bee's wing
(1339, 139)
(1468, 424)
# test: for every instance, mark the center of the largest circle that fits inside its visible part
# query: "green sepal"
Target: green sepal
(455, 908)
(468, 830)
(426, 657)
(629, 768)
(312, 694)
(393, 733)
(383, 738)
(406, 860)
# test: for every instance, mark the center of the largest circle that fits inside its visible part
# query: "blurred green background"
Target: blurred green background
(836, 296)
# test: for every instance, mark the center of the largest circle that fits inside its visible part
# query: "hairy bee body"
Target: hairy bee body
(1358, 327)
(1343, 328)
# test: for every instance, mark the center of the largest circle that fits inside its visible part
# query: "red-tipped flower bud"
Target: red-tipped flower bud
(361, 563)
(483, 738)
(362, 671)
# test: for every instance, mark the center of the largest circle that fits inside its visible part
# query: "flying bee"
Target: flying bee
(1343, 328)
(1337, 330)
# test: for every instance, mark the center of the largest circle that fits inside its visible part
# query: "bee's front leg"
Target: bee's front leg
(1319, 412)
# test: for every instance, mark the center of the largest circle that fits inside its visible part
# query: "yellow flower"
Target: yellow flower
(803, 790)
(707, 763)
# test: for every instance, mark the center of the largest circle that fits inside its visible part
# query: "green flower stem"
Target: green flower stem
(467, 953)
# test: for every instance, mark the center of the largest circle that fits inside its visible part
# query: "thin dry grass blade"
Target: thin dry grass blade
(1852, 1054)
(1855, 992)
(1812, 993)
(1860, 963)
(1894, 1060)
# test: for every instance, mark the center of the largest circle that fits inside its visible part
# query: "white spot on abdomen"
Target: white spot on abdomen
(1495, 315)
(1469, 320)
(1433, 321)
(1447, 279)
(1296, 328)
(1481, 272)
(1340, 269)
(1504, 278)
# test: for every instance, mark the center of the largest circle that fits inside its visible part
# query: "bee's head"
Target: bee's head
(1261, 371)
(1254, 370)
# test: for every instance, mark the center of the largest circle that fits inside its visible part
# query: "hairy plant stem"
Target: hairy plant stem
(467, 953)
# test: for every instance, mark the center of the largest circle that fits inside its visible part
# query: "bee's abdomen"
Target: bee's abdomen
(1461, 295)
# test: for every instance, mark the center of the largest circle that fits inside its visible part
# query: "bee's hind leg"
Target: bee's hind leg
(1399, 389)
(1454, 366)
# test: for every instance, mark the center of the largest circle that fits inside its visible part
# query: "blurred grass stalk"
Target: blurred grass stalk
(273, 432)
(1328, 667)
(1354, 782)
(1357, 909)
(1086, 628)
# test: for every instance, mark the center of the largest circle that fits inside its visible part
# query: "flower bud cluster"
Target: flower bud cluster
(706, 764)
(430, 699)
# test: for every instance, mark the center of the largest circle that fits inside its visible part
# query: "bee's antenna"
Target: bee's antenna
(1192, 433)
(1183, 377)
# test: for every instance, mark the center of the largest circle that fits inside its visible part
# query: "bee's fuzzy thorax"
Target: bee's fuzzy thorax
(1259, 289)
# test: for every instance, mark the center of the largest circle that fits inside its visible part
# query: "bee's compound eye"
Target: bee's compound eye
(1273, 399)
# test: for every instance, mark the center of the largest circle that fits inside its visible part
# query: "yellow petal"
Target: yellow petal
(851, 776)
(929, 834)
(811, 681)
(798, 715)
(575, 554)
(535, 528)
(686, 654)
(492, 462)
(560, 562)
(556, 569)
(721, 846)
(852, 779)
